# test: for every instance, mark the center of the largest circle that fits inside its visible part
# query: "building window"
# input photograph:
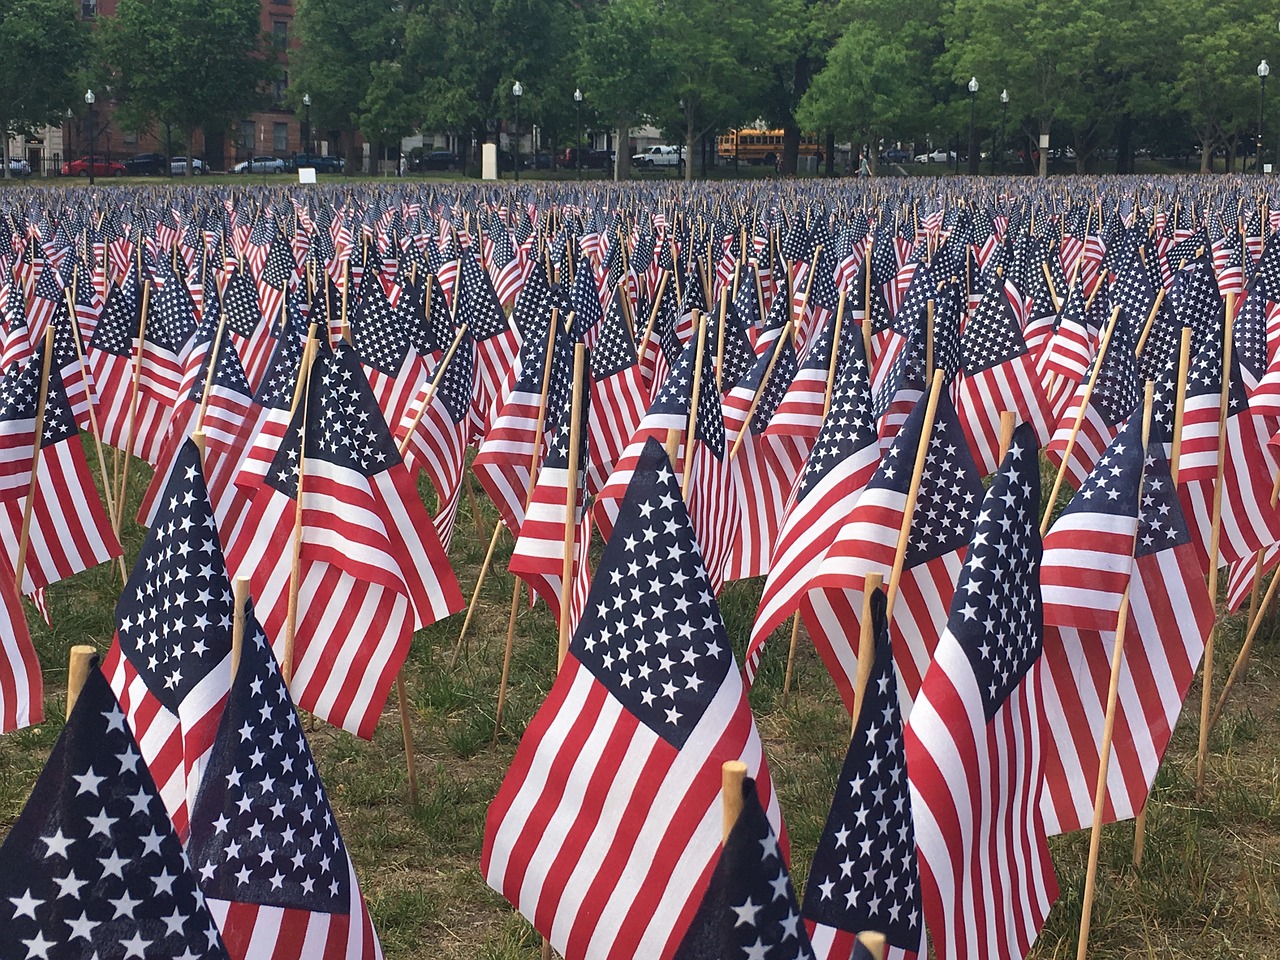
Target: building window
(280, 33)
(247, 129)
(88, 9)
(280, 137)
(130, 137)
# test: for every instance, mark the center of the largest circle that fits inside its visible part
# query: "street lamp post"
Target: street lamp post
(1263, 71)
(973, 146)
(90, 99)
(577, 154)
(306, 124)
(1004, 115)
(517, 91)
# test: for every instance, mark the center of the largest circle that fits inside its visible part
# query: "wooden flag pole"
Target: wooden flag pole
(760, 388)
(1075, 429)
(1008, 421)
(732, 775)
(834, 362)
(571, 504)
(240, 592)
(1109, 723)
(653, 314)
(133, 405)
(1180, 401)
(691, 433)
(295, 565)
(874, 942)
(913, 493)
(211, 371)
(431, 390)
(534, 460)
(866, 648)
(1151, 321)
(867, 324)
(107, 492)
(42, 399)
(78, 672)
(1215, 539)
(724, 309)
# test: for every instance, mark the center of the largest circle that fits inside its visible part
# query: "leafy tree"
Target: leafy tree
(43, 43)
(187, 64)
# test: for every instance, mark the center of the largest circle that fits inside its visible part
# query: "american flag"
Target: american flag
(750, 907)
(46, 296)
(973, 742)
(946, 508)
(21, 685)
(712, 505)
(999, 375)
(864, 874)
(508, 455)
(1169, 618)
(381, 335)
(264, 844)
(584, 300)
(371, 570)
(799, 412)
(92, 864)
(438, 442)
(1088, 553)
(497, 343)
(170, 660)
(88, 304)
(1198, 459)
(618, 395)
(538, 555)
(69, 528)
(765, 467)
(1075, 339)
(245, 326)
(842, 461)
(607, 826)
(1103, 411)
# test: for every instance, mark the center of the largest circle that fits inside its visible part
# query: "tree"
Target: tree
(44, 45)
(187, 64)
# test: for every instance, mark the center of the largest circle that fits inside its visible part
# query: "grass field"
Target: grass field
(1209, 886)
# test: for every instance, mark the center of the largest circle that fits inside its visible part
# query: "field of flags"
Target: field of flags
(1005, 456)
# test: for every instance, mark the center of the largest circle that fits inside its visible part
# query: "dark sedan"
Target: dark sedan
(321, 164)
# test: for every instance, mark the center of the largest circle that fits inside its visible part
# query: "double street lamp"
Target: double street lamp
(90, 99)
(306, 125)
(577, 154)
(973, 145)
(1004, 114)
(517, 91)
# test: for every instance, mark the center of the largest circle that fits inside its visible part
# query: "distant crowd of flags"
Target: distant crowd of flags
(806, 386)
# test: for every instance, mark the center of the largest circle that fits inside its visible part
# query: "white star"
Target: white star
(25, 905)
(746, 913)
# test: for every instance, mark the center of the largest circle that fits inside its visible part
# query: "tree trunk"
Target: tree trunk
(790, 147)
(1206, 155)
(190, 134)
(831, 154)
(1044, 150)
(622, 157)
(690, 138)
(1124, 144)
(872, 154)
(4, 154)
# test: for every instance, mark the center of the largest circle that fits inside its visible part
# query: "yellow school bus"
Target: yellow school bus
(760, 146)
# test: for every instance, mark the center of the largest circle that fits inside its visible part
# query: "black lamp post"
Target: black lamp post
(1263, 71)
(517, 91)
(577, 154)
(90, 99)
(973, 145)
(1004, 115)
(306, 124)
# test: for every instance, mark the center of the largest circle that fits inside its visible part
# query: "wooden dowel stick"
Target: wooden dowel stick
(834, 362)
(42, 399)
(78, 672)
(133, 403)
(1008, 421)
(691, 433)
(791, 658)
(724, 308)
(1075, 429)
(913, 493)
(732, 775)
(866, 648)
(240, 592)
(212, 361)
(760, 389)
(475, 593)
(571, 504)
(874, 942)
(432, 388)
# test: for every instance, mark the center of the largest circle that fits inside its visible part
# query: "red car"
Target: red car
(101, 167)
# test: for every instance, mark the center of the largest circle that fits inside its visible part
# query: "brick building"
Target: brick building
(276, 131)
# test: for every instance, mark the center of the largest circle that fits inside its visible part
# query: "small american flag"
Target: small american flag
(864, 874)
(92, 864)
(618, 395)
(264, 843)
(21, 685)
(607, 826)
(973, 743)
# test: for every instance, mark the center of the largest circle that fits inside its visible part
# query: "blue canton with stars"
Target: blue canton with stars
(614, 350)
(92, 868)
(651, 632)
(864, 874)
(1161, 523)
(174, 616)
(261, 830)
(993, 334)
(848, 426)
(19, 395)
(1112, 487)
(996, 614)
(749, 911)
(950, 485)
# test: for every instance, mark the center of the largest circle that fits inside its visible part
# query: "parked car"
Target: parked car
(145, 165)
(178, 166)
(591, 159)
(895, 155)
(658, 156)
(437, 160)
(319, 163)
(260, 165)
(19, 167)
(937, 156)
(101, 167)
